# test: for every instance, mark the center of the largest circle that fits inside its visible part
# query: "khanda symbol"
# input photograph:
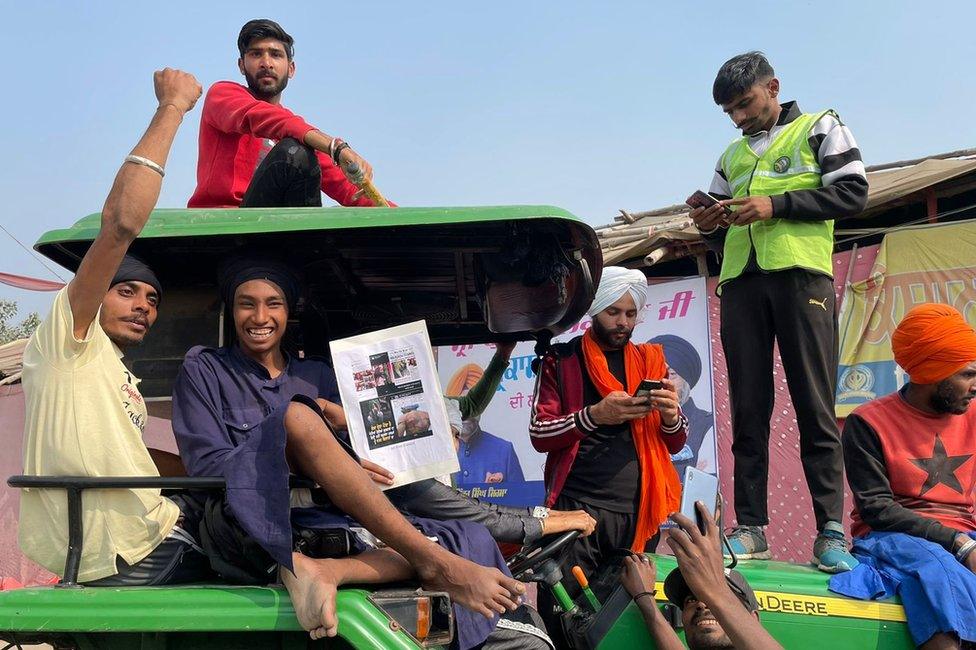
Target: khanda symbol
(858, 379)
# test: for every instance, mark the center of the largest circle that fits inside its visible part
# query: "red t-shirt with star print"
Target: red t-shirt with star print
(910, 471)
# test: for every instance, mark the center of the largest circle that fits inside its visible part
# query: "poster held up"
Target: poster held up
(393, 403)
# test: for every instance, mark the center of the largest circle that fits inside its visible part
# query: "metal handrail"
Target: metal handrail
(75, 485)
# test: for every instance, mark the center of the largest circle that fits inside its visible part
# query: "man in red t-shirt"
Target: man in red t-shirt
(911, 465)
(254, 152)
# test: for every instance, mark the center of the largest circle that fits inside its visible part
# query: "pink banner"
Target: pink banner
(31, 284)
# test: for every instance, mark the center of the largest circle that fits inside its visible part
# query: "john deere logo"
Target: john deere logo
(782, 164)
(856, 382)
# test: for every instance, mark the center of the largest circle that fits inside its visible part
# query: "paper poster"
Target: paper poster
(497, 460)
(393, 402)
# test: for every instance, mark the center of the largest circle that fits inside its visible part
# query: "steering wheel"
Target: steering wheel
(547, 548)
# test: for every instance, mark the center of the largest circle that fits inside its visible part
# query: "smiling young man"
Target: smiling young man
(718, 607)
(782, 185)
(253, 414)
(911, 465)
(254, 152)
(85, 415)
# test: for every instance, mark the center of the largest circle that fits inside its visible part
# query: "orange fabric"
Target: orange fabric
(933, 342)
(660, 488)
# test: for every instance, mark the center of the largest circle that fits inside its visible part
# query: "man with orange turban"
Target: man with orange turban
(911, 464)
(608, 452)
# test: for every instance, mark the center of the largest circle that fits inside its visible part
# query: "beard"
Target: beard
(945, 399)
(263, 92)
(605, 337)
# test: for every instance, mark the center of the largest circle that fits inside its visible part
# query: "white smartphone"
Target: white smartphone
(698, 486)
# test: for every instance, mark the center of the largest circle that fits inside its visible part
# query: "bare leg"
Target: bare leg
(313, 450)
(313, 585)
(942, 641)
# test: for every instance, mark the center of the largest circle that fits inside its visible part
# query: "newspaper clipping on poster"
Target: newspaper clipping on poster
(393, 402)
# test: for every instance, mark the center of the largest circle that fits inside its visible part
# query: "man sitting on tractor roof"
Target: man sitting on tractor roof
(85, 415)
(256, 153)
(911, 464)
(252, 413)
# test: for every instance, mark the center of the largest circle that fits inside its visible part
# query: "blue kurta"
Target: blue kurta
(228, 418)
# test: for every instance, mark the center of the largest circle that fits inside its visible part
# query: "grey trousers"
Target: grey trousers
(434, 500)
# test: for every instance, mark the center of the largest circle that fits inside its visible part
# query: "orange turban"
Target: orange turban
(932, 343)
(464, 380)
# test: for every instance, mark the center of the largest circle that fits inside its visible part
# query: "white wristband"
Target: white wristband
(145, 162)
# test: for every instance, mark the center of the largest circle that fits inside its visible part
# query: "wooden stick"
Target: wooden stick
(367, 187)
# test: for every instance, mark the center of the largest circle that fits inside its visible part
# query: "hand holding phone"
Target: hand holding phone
(646, 386)
(698, 486)
(708, 213)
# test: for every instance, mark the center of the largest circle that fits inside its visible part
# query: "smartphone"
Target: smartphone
(698, 486)
(646, 386)
(703, 200)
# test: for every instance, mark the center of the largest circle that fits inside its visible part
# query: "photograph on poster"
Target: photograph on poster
(363, 380)
(412, 416)
(380, 423)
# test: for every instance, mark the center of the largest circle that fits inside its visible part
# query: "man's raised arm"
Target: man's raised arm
(132, 198)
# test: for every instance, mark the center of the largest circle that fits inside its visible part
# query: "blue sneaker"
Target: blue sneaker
(830, 553)
(749, 543)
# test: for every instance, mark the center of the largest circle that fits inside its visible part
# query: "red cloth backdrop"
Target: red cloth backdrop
(791, 525)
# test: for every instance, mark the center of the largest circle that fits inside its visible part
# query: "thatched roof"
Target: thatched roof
(645, 238)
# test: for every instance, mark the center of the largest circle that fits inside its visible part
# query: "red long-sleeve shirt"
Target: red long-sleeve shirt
(232, 126)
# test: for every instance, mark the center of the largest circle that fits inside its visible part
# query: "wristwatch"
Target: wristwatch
(540, 512)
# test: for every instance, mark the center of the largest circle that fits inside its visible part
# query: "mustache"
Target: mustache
(705, 613)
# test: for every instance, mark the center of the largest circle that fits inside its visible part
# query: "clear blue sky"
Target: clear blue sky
(589, 106)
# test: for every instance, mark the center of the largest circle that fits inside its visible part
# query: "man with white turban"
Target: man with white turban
(911, 465)
(608, 452)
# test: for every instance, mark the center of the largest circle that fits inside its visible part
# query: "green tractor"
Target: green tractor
(474, 275)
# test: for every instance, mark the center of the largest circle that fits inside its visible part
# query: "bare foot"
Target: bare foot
(484, 590)
(312, 588)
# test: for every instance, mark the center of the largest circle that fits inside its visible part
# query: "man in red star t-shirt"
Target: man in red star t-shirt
(911, 464)
(254, 152)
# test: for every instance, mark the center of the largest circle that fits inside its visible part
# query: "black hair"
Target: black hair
(265, 28)
(738, 74)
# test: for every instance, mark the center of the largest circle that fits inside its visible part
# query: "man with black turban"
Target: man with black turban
(85, 415)
(685, 369)
(254, 414)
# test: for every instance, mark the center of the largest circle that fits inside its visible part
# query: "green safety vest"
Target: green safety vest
(788, 164)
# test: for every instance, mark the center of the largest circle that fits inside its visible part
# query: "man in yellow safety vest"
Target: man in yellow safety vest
(781, 185)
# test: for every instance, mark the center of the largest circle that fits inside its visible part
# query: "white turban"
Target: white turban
(453, 412)
(617, 281)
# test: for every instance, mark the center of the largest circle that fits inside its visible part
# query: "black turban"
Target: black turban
(132, 269)
(239, 270)
(681, 356)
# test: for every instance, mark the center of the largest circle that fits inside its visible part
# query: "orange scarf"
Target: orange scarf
(660, 488)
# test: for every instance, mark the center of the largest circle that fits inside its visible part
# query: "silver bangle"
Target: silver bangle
(965, 550)
(145, 162)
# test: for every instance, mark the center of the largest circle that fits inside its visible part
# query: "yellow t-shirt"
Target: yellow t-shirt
(85, 417)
